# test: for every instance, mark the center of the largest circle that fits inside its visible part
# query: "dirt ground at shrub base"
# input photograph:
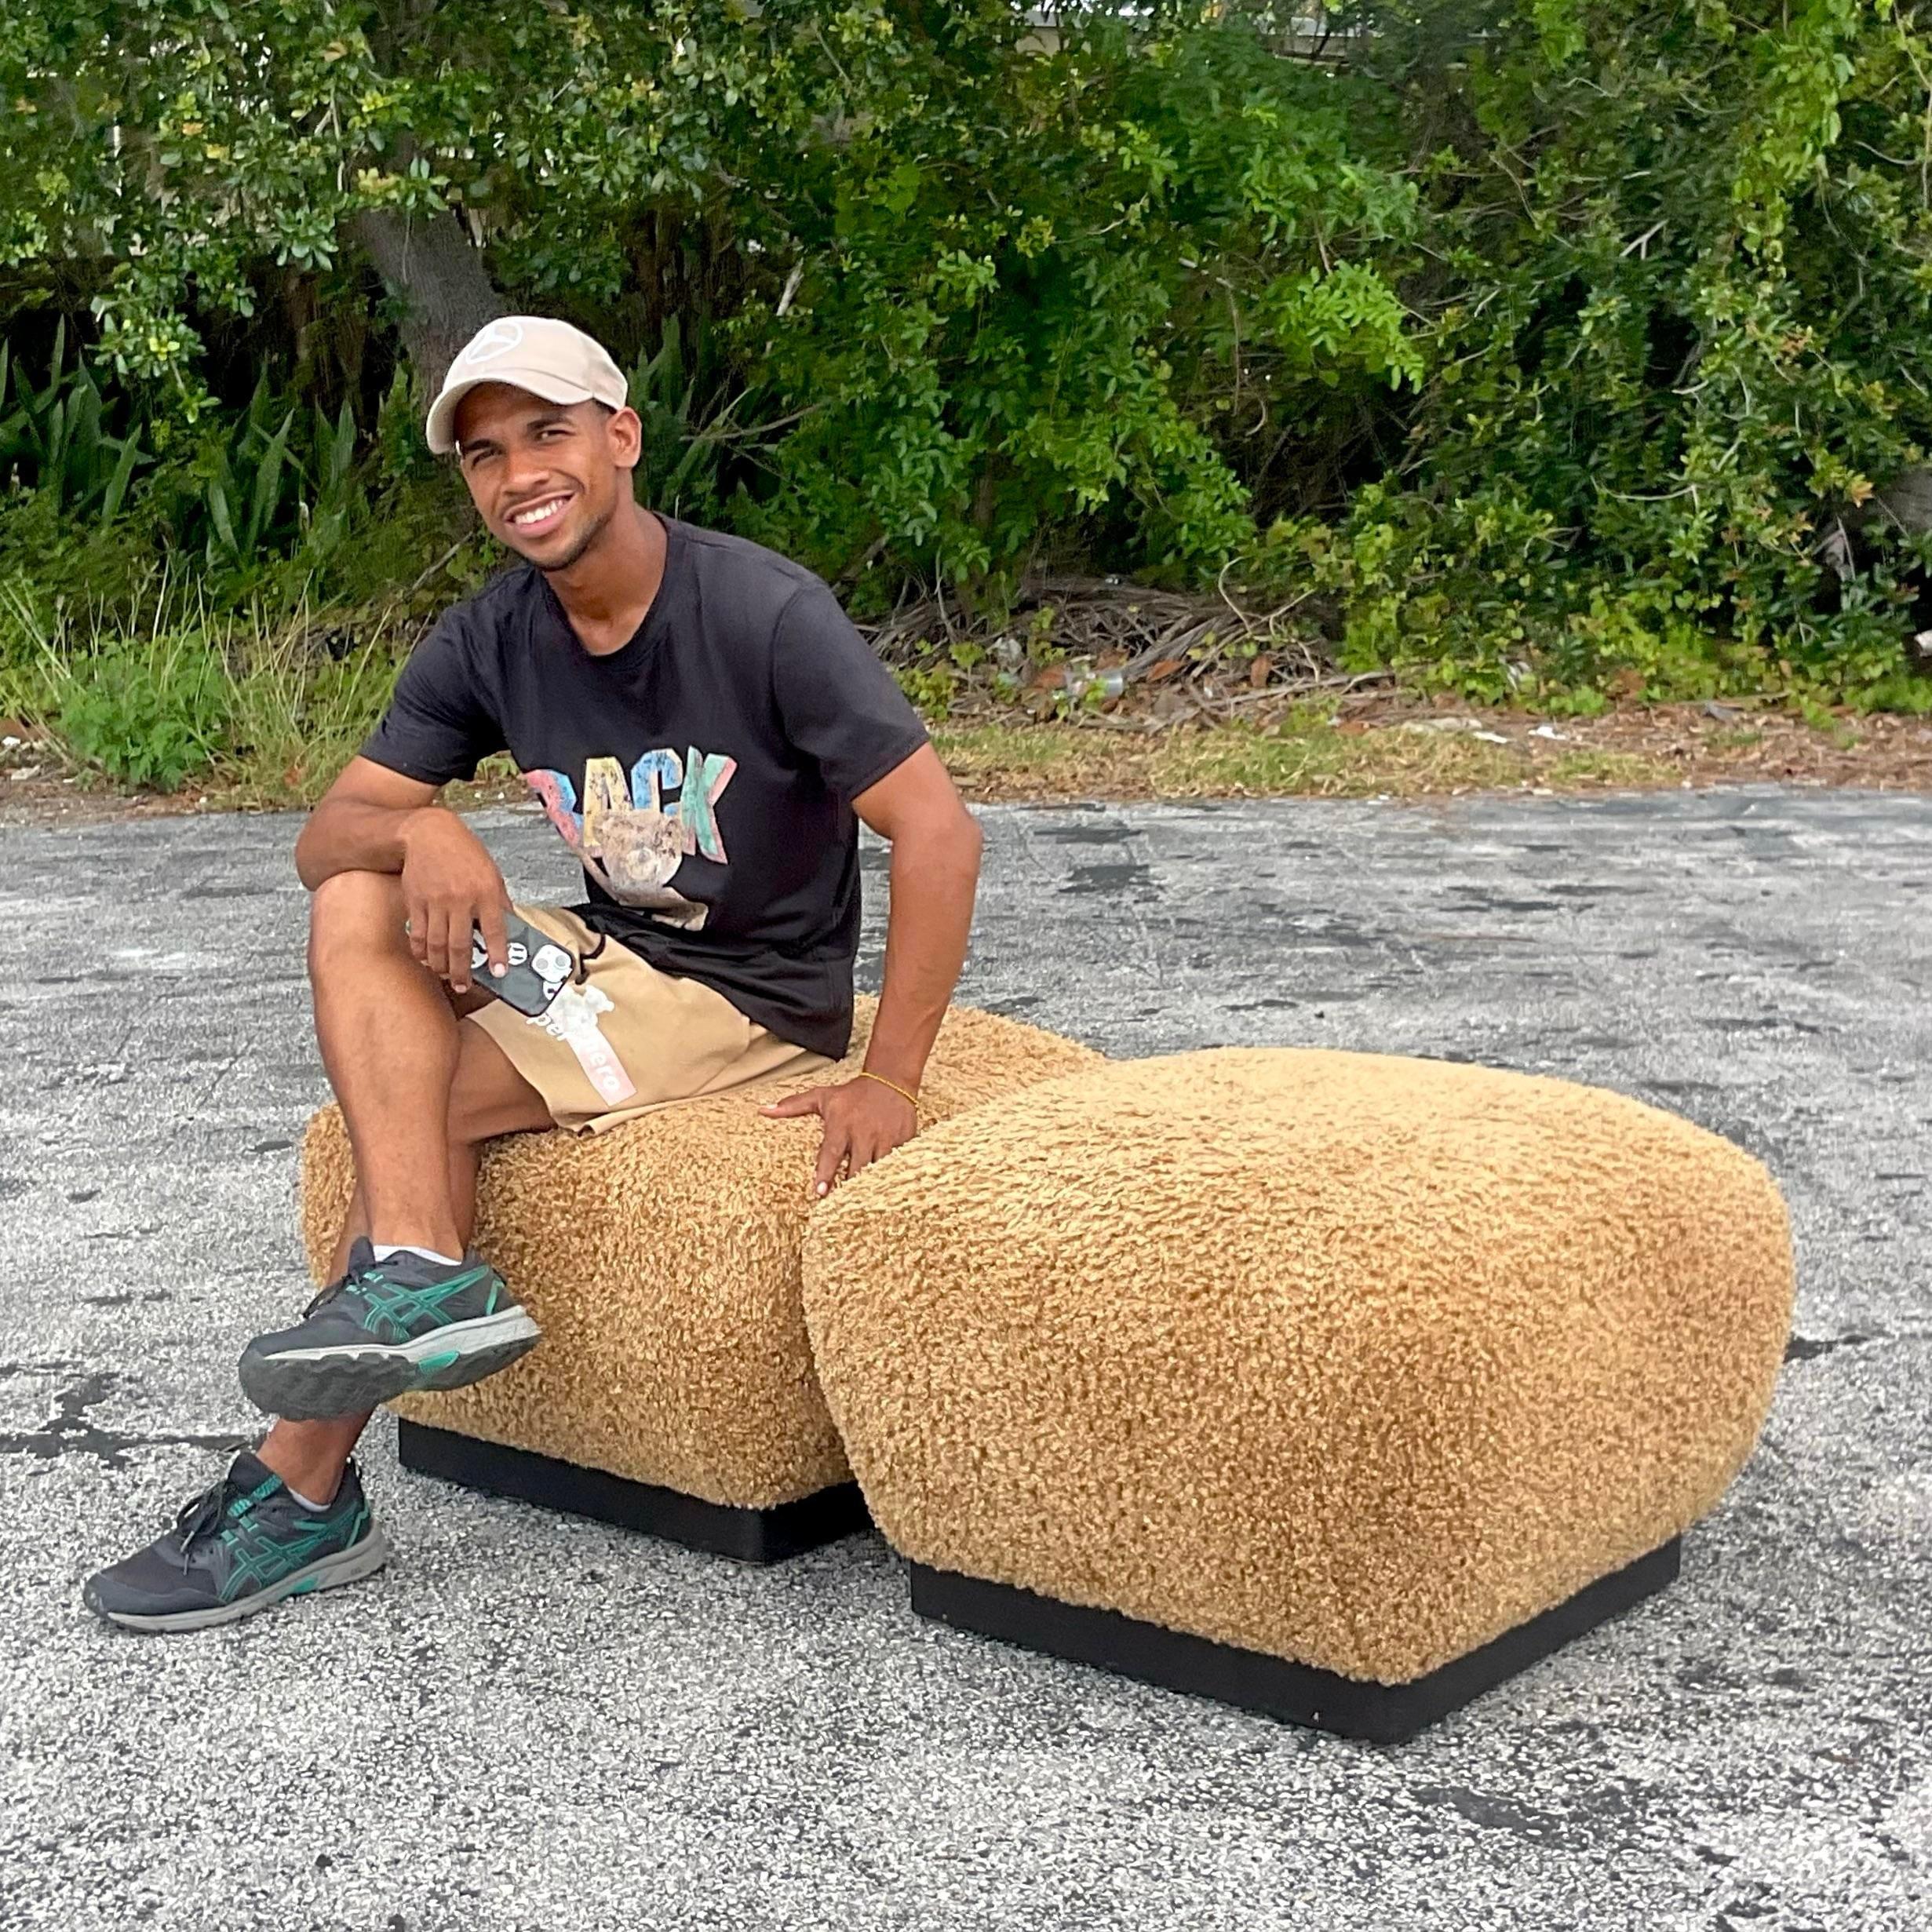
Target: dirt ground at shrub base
(1368, 746)
(1878, 753)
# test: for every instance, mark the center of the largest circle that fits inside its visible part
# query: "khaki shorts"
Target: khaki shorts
(624, 1039)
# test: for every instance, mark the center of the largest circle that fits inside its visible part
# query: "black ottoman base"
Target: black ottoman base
(753, 1535)
(1383, 1714)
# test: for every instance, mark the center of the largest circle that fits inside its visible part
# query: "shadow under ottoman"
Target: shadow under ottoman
(752, 1535)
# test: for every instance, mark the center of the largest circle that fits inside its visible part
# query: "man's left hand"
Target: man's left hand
(863, 1119)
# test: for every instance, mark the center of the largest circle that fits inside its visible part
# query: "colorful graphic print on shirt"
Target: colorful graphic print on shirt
(631, 836)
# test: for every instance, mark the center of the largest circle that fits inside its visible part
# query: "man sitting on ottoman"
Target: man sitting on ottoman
(705, 730)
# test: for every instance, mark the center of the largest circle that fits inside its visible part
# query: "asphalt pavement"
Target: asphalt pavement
(542, 1724)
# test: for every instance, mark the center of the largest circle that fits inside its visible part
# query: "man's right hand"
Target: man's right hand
(450, 883)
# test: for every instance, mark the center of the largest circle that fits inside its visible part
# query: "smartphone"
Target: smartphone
(540, 968)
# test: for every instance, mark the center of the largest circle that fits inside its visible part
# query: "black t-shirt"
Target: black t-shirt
(702, 773)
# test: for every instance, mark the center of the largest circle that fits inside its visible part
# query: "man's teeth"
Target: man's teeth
(538, 512)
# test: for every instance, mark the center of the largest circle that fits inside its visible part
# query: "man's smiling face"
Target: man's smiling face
(545, 477)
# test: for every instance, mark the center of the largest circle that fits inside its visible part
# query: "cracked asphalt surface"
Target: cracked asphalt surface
(534, 1723)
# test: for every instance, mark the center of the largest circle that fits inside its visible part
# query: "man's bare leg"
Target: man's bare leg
(419, 1094)
(389, 1045)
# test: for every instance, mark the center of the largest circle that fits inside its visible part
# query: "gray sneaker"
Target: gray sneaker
(386, 1328)
(237, 1548)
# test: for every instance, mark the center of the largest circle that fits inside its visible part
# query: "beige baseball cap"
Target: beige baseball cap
(547, 358)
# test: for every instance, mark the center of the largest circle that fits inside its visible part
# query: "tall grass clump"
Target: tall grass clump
(225, 701)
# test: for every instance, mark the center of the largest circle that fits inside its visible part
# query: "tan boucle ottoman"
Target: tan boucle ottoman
(661, 1259)
(1336, 1385)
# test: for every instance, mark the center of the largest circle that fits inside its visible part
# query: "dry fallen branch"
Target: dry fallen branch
(1127, 631)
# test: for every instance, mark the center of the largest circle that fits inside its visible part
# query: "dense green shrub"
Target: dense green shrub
(50, 563)
(187, 696)
(149, 711)
(56, 434)
(1552, 348)
(1678, 338)
(1044, 309)
(989, 298)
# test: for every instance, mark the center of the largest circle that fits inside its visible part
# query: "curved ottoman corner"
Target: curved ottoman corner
(1365, 1363)
(661, 1259)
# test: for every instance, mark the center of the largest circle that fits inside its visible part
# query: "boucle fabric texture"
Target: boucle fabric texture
(662, 1260)
(1355, 1360)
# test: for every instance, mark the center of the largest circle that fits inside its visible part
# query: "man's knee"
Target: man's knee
(349, 913)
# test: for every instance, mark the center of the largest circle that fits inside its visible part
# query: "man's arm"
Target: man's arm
(358, 826)
(936, 845)
(372, 819)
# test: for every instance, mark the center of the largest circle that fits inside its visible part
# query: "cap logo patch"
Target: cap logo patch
(493, 339)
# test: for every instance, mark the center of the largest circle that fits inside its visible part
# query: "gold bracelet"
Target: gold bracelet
(911, 1100)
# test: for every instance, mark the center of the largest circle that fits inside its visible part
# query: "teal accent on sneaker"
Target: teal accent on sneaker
(385, 1330)
(393, 1311)
(262, 1554)
(237, 1548)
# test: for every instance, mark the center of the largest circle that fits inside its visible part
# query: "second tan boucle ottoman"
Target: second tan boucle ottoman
(1337, 1384)
(673, 1387)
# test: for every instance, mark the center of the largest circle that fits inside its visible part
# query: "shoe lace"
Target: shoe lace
(202, 1515)
(326, 1294)
(371, 1273)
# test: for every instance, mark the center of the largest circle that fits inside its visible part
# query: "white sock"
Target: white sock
(384, 1249)
(320, 1509)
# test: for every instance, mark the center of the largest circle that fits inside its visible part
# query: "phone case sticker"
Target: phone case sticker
(539, 968)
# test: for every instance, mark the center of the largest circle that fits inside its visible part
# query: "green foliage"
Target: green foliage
(277, 485)
(1679, 337)
(1556, 350)
(149, 711)
(1048, 301)
(998, 295)
(182, 695)
(49, 562)
(931, 687)
(187, 147)
(280, 500)
(688, 408)
(296, 715)
(53, 439)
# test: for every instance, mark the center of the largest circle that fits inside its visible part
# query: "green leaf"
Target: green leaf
(217, 498)
(116, 490)
(266, 496)
(342, 453)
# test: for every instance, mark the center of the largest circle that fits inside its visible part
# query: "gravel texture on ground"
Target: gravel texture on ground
(532, 1722)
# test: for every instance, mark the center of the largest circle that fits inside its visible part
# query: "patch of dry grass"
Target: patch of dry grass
(1306, 756)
